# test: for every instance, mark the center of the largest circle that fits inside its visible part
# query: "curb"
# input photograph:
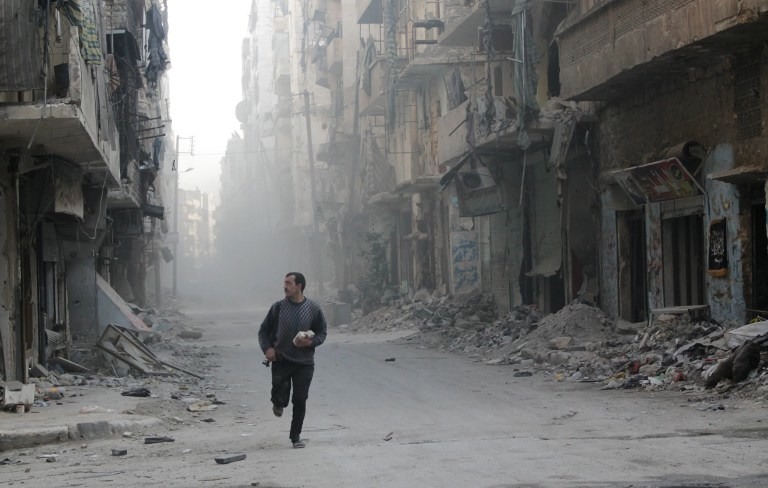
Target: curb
(31, 437)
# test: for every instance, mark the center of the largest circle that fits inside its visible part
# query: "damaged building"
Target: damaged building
(682, 146)
(542, 152)
(83, 104)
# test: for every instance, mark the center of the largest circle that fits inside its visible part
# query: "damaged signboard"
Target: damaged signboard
(658, 181)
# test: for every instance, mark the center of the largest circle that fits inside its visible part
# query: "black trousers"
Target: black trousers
(285, 374)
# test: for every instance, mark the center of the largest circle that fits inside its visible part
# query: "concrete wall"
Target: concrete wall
(726, 293)
(645, 122)
(605, 44)
(8, 276)
(81, 288)
(609, 258)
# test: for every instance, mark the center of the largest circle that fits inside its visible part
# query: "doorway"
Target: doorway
(633, 303)
(683, 256)
(759, 260)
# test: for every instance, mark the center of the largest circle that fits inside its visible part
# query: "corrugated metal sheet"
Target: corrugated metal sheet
(20, 67)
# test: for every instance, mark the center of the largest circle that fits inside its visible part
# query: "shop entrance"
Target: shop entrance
(633, 303)
(760, 261)
(683, 251)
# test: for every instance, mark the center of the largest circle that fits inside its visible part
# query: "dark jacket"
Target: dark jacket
(283, 321)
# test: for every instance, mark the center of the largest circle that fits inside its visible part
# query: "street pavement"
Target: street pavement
(381, 414)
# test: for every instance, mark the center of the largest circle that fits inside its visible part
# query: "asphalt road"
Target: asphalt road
(426, 419)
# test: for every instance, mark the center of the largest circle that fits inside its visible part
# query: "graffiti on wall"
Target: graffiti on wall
(465, 257)
(718, 252)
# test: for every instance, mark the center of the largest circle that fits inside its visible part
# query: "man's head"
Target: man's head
(294, 285)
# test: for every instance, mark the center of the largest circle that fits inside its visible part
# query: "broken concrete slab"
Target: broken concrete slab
(113, 309)
(561, 343)
(17, 393)
(158, 440)
(190, 334)
(125, 348)
(750, 332)
(229, 458)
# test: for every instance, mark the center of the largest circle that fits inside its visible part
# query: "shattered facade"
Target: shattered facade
(543, 152)
(82, 149)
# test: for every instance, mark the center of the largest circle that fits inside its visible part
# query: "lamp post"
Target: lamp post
(176, 207)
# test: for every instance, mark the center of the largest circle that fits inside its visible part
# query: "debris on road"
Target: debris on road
(580, 343)
(157, 440)
(388, 437)
(137, 392)
(95, 409)
(190, 334)
(204, 406)
(119, 452)
(229, 458)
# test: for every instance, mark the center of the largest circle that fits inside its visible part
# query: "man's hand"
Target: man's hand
(271, 355)
(303, 342)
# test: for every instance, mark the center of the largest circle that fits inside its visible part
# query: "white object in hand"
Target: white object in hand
(304, 334)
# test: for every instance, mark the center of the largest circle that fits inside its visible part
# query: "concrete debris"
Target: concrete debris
(15, 393)
(579, 343)
(124, 347)
(229, 458)
(119, 452)
(137, 392)
(67, 365)
(190, 334)
(202, 407)
(158, 440)
(95, 409)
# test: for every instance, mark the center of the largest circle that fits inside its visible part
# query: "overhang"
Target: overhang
(433, 62)
(606, 53)
(418, 185)
(742, 175)
(464, 30)
(61, 131)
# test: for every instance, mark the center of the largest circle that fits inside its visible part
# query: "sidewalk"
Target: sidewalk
(61, 423)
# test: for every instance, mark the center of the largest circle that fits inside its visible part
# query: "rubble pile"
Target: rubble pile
(141, 360)
(579, 343)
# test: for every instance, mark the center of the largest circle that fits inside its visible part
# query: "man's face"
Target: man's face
(290, 287)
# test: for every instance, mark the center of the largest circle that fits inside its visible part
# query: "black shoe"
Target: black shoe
(278, 411)
(299, 443)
